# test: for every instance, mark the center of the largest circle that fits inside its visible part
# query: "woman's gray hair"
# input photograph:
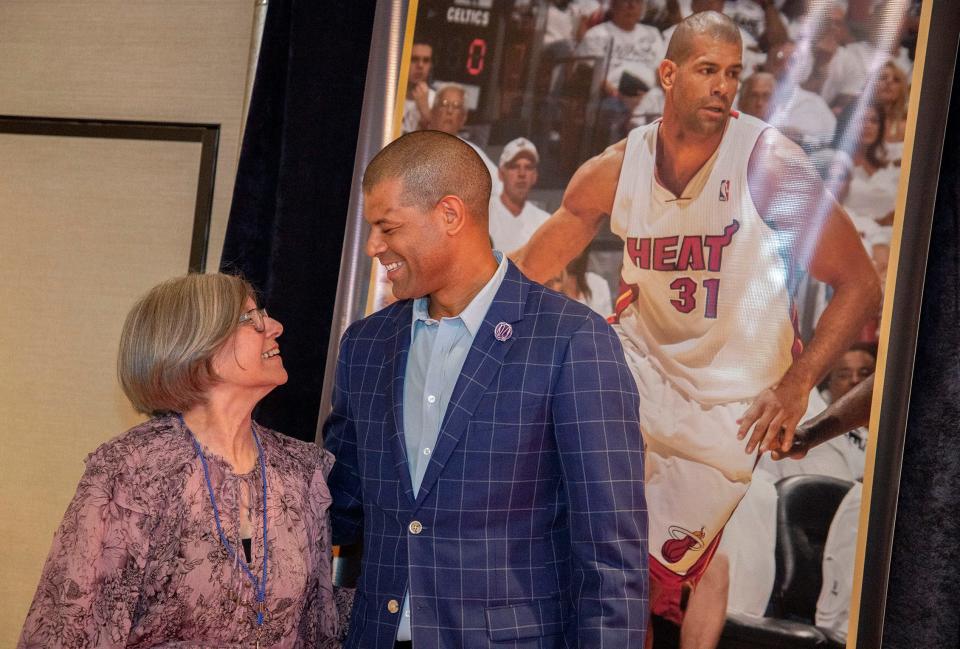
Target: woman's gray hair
(170, 337)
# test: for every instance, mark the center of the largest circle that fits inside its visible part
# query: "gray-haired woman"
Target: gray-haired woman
(199, 527)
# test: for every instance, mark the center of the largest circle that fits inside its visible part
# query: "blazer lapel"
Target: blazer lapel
(398, 366)
(482, 364)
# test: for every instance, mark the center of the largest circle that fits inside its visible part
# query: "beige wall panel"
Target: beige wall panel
(87, 226)
(145, 60)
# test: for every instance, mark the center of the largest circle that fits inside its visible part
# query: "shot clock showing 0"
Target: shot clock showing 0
(462, 33)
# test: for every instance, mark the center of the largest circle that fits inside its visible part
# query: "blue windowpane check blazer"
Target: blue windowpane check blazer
(530, 527)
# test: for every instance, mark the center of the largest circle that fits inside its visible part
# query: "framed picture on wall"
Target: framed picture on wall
(747, 196)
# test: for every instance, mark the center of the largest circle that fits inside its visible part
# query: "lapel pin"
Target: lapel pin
(503, 331)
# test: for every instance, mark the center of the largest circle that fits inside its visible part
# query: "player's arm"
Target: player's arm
(791, 198)
(847, 413)
(587, 200)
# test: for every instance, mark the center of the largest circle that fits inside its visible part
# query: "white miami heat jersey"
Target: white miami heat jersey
(704, 283)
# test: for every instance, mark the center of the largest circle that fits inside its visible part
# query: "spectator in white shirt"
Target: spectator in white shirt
(893, 91)
(839, 559)
(420, 96)
(805, 18)
(873, 186)
(840, 74)
(838, 172)
(837, 178)
(761, 20)
(632, 47)
(567, 21)
(801, 115)
(513, 219)
(756, 95)
(632, 52)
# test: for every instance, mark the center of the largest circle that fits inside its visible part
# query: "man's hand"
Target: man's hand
(803, 441)
(421, 96)
(850, 411)
(774, 416)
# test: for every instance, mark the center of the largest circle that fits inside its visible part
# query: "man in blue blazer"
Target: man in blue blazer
(486, 432)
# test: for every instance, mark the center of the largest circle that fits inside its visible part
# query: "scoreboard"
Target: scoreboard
(463, 34)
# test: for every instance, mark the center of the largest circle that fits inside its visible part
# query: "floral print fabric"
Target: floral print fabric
(137, 561)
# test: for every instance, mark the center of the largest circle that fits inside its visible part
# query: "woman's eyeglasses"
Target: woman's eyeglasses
(255, 316)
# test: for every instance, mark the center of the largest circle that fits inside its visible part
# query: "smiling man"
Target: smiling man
(719, 214)
(486, 434)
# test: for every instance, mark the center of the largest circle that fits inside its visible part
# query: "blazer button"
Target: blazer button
(393, 606)
(415, 527)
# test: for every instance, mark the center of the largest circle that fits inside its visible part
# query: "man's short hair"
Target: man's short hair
(431, 165)
(170, 337)
(706, 23)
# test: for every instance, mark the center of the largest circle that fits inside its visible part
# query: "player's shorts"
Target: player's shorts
(667, 588)
(696, 472)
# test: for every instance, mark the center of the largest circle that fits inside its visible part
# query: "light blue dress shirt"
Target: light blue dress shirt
(437, 351)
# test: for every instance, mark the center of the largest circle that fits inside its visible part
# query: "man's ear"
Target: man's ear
(453, 211)
(668, 73)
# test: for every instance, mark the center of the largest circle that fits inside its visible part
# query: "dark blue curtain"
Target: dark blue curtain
(293, 183)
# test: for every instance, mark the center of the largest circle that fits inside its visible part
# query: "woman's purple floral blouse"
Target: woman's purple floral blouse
(137, 561)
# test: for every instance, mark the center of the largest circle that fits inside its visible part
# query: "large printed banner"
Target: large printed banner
(725, 269)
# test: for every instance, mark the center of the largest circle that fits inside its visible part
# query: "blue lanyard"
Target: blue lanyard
(260, 586)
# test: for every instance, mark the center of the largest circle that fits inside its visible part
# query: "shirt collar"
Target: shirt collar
(474, 313)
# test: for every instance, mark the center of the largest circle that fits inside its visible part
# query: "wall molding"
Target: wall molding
(207, 135)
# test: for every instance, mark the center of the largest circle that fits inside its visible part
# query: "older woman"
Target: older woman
(199, 527)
